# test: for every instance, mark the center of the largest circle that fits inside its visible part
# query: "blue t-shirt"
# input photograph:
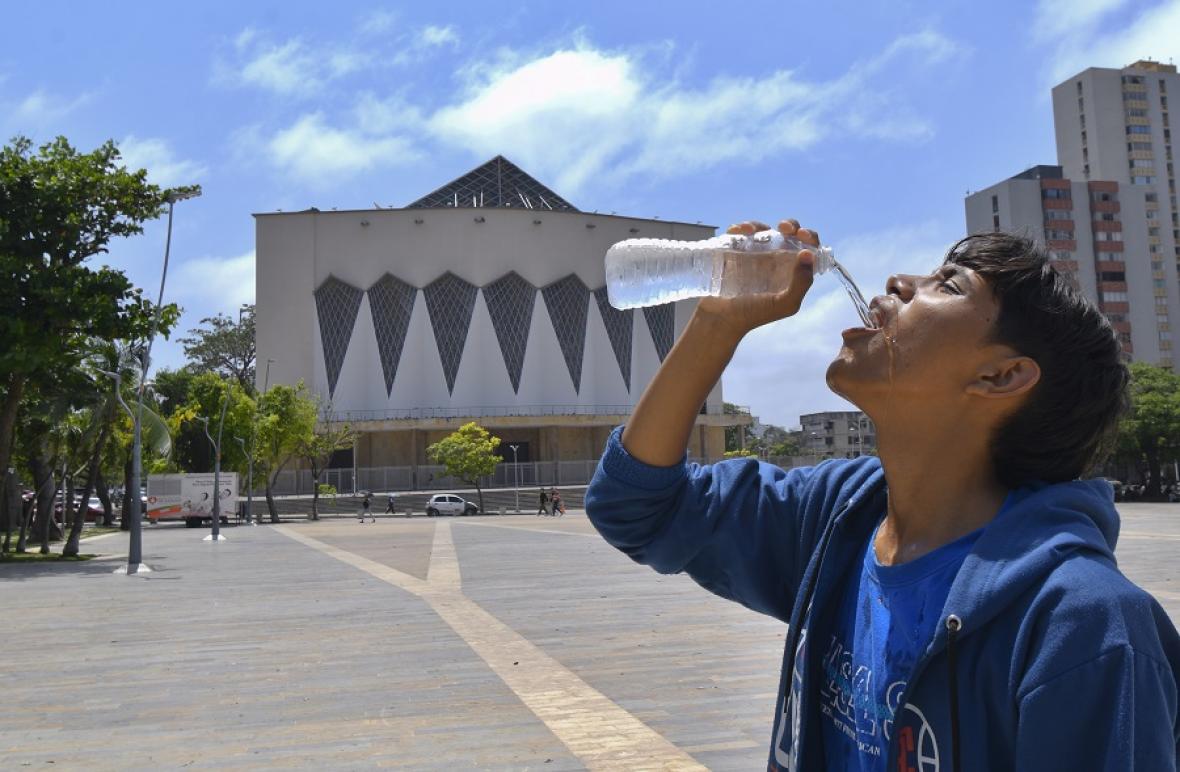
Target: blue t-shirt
(886, 619)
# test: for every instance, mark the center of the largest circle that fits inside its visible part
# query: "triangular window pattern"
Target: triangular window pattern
(450, 302)
(661, 323)
(497, 183)
(391, 302)
(619, 325)
(568, 301)
(510, 302)
(337, 305)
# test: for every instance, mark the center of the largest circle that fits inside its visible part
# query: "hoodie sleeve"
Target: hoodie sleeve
(1114, 712)
(736, 527)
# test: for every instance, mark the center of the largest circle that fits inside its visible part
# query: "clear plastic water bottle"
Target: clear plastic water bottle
(648, 272)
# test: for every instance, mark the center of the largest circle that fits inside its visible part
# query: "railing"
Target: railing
(430, 477)
(507, 411)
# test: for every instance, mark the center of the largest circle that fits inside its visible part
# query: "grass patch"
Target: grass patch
(98, 530)
(34, 556)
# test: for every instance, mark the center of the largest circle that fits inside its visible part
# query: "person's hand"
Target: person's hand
(738, 315)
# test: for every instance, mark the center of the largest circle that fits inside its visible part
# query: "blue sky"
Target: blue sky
(867, 120)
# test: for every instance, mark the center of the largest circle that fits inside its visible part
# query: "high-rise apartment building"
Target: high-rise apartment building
(1108, 213)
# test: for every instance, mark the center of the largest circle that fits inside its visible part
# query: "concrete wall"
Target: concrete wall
(297, 252)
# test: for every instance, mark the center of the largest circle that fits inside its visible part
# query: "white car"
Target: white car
(449, 504)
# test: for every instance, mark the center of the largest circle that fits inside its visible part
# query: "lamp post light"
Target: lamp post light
(515, 476)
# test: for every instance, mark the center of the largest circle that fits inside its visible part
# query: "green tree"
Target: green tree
(469, 454)
(224, 346)
(58, 208)
(1150, 433)
(328, 437)
(206, 393)
(286, 421)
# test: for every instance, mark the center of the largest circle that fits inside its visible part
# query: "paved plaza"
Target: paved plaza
(510, 642)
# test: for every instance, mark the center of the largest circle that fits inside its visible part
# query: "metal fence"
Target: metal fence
(434, 477)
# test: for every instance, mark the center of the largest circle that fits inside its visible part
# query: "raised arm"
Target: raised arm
(659, 429)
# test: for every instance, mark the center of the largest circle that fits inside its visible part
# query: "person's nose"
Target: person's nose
(902, 285)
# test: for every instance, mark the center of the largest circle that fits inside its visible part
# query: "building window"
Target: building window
(1112, 276)
(1060, 193)
(1139, 163)
(995, 203)
(1104, 196)
(1151, 197)
(1138, 130)
(1138, 146)
(1144, 180)
(995, 222)
(1106, 217)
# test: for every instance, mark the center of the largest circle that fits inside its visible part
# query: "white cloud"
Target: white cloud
(433, 35)
(317, 152)
(1057, 18)
(580, 112)
(378, 22)
(779, 370)
(41, 108)
(156, 155)
(208, 285)
(1091, 38)
(284, 69)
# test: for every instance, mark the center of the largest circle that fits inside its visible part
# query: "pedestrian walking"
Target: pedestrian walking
(366, 510)
(389, 509)
(558, 505)
(544, 508)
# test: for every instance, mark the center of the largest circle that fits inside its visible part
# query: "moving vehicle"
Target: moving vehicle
(449, 504)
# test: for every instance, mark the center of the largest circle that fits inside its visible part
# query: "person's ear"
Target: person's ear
(1008, 377)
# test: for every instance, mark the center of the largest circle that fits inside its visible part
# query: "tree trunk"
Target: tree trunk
(271, 479)
(92, 475)
(315, 493)
(8, 411)
(270, 504)
(104, 495)
(43, 499)
(1153, 491)
(128, 468)
(26, 515)
(479, 492)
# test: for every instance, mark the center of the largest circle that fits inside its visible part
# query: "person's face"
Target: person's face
(934, 342)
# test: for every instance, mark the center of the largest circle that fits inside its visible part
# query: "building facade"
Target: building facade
(1085, 227)
(1107, 214)
(1115, 125)
(837, 434)
(483, 301)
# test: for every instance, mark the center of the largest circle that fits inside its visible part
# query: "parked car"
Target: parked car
(449, 504)
(94, 511)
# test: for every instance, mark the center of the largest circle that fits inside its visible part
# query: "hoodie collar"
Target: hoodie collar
(1039, 527)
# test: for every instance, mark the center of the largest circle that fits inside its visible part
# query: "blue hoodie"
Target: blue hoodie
(1046, 657)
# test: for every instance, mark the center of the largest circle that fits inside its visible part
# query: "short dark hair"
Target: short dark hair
(1070, 419)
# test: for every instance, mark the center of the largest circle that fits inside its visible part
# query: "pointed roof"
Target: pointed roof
(497, 183)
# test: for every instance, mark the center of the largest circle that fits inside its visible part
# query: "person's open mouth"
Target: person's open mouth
(878, 317)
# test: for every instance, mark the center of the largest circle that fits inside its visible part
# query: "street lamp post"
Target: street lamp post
(134, 514)
(515, 476)
(253, 440)
(216, 533)
(249, 475)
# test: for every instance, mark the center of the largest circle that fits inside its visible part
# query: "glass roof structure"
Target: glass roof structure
(499, 183)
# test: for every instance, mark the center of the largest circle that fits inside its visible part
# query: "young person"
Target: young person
(954, 604)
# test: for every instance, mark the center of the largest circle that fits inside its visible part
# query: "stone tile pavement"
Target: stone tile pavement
(510, 642)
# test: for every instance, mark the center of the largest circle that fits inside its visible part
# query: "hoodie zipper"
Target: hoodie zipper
(953, 625)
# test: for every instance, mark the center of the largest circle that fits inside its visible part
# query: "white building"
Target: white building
(483, 301)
